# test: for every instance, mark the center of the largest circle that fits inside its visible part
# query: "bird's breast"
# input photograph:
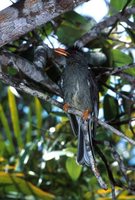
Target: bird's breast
(75, 96)
(76, 87)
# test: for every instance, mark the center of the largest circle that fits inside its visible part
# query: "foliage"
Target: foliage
(37, 148)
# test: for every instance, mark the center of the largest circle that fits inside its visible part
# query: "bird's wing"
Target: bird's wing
(94, 92)
(73, 123)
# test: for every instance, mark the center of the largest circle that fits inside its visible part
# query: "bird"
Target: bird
(80, 91)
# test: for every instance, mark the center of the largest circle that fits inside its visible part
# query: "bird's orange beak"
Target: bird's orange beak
(61, 51)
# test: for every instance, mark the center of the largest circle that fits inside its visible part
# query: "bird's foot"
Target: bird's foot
(66, 107)
(86, 114)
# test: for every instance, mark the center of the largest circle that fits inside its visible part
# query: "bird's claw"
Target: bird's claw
(86, 114)
(66, 107)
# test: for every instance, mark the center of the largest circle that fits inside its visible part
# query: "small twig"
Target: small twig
(123, 169)
(115, 122)
(91, 157)
(128, 77)
(119, 93)
(122, 13)
(120, 41)
(113, 192)
(114, 130)
(121, 69)
(120, 162)
(116, 71)
(110, 175)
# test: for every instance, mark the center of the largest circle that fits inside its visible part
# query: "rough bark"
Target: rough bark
(26, 15)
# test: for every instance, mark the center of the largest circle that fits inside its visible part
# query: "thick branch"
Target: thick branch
(26, 15)
(31, 70)
(21, 86)
(97, 30)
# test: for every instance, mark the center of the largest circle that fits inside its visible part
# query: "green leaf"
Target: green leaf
(7, 130)
(38, 108)
(12, 71)
(15, 118)
(117, 5)
(73, 27)
(73, 169)
(2, 148)
(111, 108)
(17, 188)
(58, 113)
(130, 71)
(120, 58)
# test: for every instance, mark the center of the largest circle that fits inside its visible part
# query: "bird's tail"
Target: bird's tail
(86, 132)
(85, 154)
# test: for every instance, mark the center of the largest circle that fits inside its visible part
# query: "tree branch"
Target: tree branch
(122, 13)
(97, 30)
(22, 86)
(29, 69)
(114, 130)
(26, 15)
(109, 171)
(119, 71)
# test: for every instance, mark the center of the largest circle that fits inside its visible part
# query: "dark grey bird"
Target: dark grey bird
(80, 92)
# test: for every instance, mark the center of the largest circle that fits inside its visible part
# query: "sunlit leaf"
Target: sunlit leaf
(7, 130)
(116, 5)
(120, 58)
(131, 33)
(38, 109)
(15, 118)
(2, 147)
(130, 71)
(73, 27)
(125, 129)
